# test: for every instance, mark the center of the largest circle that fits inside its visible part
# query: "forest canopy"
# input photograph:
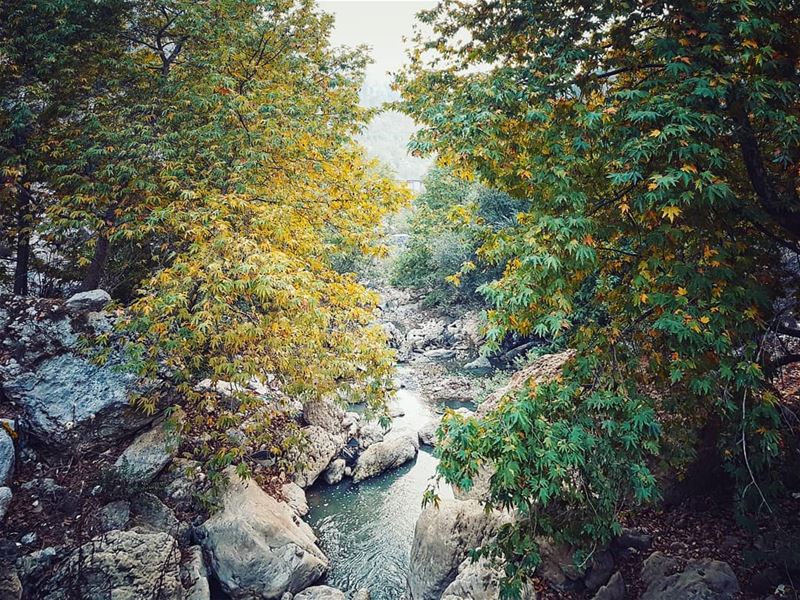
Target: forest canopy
(658, 144)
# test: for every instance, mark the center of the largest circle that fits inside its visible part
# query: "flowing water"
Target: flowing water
(367, 529)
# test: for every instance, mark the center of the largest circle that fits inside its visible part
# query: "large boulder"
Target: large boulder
(613, 590)
(147, 456)
(316, 454)
(335, 472)
(542, 370)
(386, 455)
(705, 579)
(257, 546)
(195, 575)
(124, 565)
(369, 432)
(295, 497)
(443, 537)
(65, 401)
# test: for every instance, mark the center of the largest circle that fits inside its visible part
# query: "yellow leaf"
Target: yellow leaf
(750, 44)
(670, 212)
(682, 291)
(655, 133)
(689, 168)
(704, 320)
(643, 298)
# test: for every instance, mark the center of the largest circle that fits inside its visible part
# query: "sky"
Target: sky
(381, 24)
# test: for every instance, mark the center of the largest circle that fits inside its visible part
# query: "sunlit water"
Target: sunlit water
(367, 529)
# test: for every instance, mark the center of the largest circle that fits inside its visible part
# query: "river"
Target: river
(367, 529)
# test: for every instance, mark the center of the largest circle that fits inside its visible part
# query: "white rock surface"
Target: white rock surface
(386, 455)
(443, 538)
(257, 547)
(335, 471)
(5, 501)
(7, 457)
(315, 456)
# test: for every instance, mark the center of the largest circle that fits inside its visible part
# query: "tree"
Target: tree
(210, 180)
(659, 145)
(51, 55)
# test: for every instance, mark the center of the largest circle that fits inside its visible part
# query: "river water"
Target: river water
(367, 529)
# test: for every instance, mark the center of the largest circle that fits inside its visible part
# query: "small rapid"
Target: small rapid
(367, 529)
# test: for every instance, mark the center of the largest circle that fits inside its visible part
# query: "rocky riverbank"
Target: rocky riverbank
(98, 497)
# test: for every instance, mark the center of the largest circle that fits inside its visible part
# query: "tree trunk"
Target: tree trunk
(91, 280)
(24, 223)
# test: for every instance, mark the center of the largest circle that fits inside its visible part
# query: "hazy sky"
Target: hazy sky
(380, 24)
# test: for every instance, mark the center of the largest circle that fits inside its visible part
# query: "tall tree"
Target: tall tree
(51, 57)
(659, 144)
(221, 175)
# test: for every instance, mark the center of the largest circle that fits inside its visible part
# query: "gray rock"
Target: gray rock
(613, 590)
(599, 571)
(29, 538)
(33, 566)
(705, 579)
(65, 401)
(5, 501)
(320, 592)
(324, 413)
(93, 300)
(479, 364)
(130, 563)
(68, 401)
(427, 433)
(362, 594)
(257, 547)
(657, 566)
(149, 513)
(7, 456)
(295, 497)
(321, 446)
(114, 515)
(195, 575)
(634, 538)
(386, 455)
(335, 471)
(443, 537)
(370, 432)
(440, 354)
(147, 456)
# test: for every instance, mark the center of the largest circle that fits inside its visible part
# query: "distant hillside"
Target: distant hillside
(386, 137)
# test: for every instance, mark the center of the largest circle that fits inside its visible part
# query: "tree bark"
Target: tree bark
(94, 274)
(783, 209)
(24, 223)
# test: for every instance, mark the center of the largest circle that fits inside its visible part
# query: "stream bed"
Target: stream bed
(367, 529)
